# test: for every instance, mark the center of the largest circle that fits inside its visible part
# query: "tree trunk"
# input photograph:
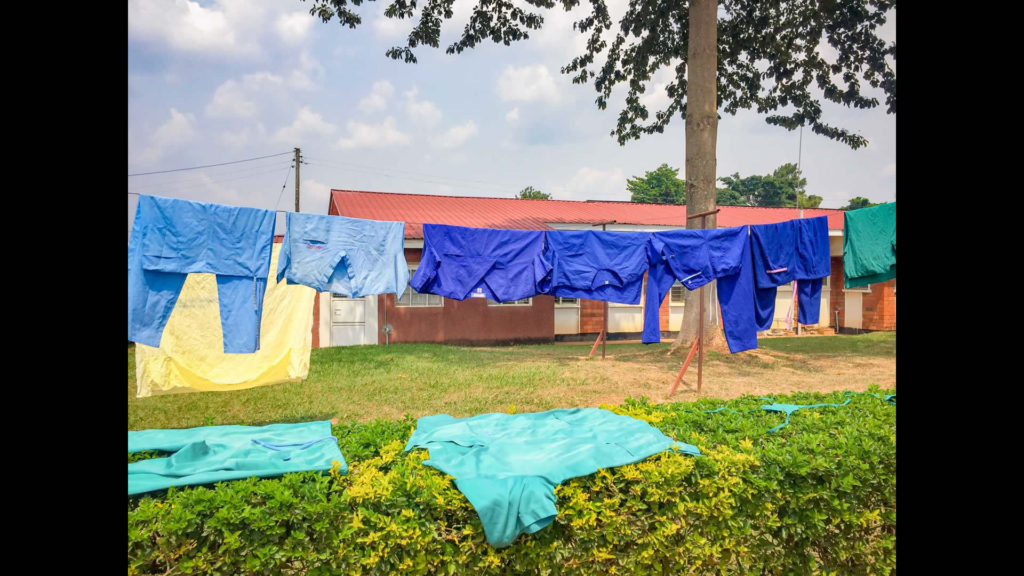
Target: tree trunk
(701, 142)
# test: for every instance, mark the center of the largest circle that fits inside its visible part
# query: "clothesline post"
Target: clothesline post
(603, 336)
(699, 344)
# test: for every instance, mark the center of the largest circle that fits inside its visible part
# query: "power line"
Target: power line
(204, 177)
(208, 165)
(200, 184)
(281, 195)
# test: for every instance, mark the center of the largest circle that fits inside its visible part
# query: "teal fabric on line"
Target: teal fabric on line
(508, 465)
(790, 408)
(890, 398)
(215, 453)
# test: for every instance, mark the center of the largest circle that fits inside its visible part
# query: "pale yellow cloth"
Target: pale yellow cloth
(191, 355)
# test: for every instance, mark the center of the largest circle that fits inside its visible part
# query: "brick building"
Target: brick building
(414, 317)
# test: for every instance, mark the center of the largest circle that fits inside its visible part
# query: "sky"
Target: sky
(227, 80)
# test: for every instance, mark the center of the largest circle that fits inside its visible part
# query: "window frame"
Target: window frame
(529, 302)
(412, 293)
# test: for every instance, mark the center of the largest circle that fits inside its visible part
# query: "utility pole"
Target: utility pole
(298, 162)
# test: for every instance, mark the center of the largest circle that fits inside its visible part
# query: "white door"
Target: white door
(853, 310)
(567, 316)
(353, 320)
(625, 318)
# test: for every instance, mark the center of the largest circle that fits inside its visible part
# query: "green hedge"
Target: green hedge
(816, 497)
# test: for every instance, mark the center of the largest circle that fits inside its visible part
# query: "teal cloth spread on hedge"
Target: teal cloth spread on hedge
(508, 465)
(214, 453)
(790, 408)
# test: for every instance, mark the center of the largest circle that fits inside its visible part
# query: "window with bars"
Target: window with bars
(676, 295)
(568, 302)
(523, 302)
(413, 299)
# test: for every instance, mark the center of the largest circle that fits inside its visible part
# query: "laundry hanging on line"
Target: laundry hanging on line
(191, 358)
(794, 250)
(350, 257)
(695, 258)
(508, 465)
(460, 263)
(172, 238)
(869, 245)
(595, 265)
(211, 454)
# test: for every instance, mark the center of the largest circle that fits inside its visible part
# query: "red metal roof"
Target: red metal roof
(521, 214)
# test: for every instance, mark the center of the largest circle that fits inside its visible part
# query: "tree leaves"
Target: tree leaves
(781, 58)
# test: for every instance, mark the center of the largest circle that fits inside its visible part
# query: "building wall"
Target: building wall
(469, 321)
(878, 306)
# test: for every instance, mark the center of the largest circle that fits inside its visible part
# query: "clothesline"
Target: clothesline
(278, 211)
(356, 257)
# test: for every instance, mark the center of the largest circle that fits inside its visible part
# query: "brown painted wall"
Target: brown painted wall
(879, 305)
(469, 321)
(836, 297)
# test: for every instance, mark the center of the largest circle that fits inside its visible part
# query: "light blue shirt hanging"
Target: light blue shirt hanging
(351, 257)
(172, 238)
(508, 465)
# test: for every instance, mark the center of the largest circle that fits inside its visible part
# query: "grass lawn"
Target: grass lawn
(362, 383)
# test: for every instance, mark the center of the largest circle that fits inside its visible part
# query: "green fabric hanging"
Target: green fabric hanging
(869, 245)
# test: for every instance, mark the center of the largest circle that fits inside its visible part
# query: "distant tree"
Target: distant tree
(661, 186)
(729, 197)
(788, 174)
(811, 201)
(532, 193)
(859, 202)
(785, 187)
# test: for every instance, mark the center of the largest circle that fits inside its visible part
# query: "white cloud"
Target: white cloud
(308, 74)
(513, 116)
(173, 133)
(373, 135)
(242, 138)
(889, 170)
(316, 196)
(189, 27)
(229, 100)
(456, 136)
(235, 99)
(294, 26)
(307, 124)
(385, 27)
(528, 84)
(422, 112)
(378, 97)
(595, 184)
